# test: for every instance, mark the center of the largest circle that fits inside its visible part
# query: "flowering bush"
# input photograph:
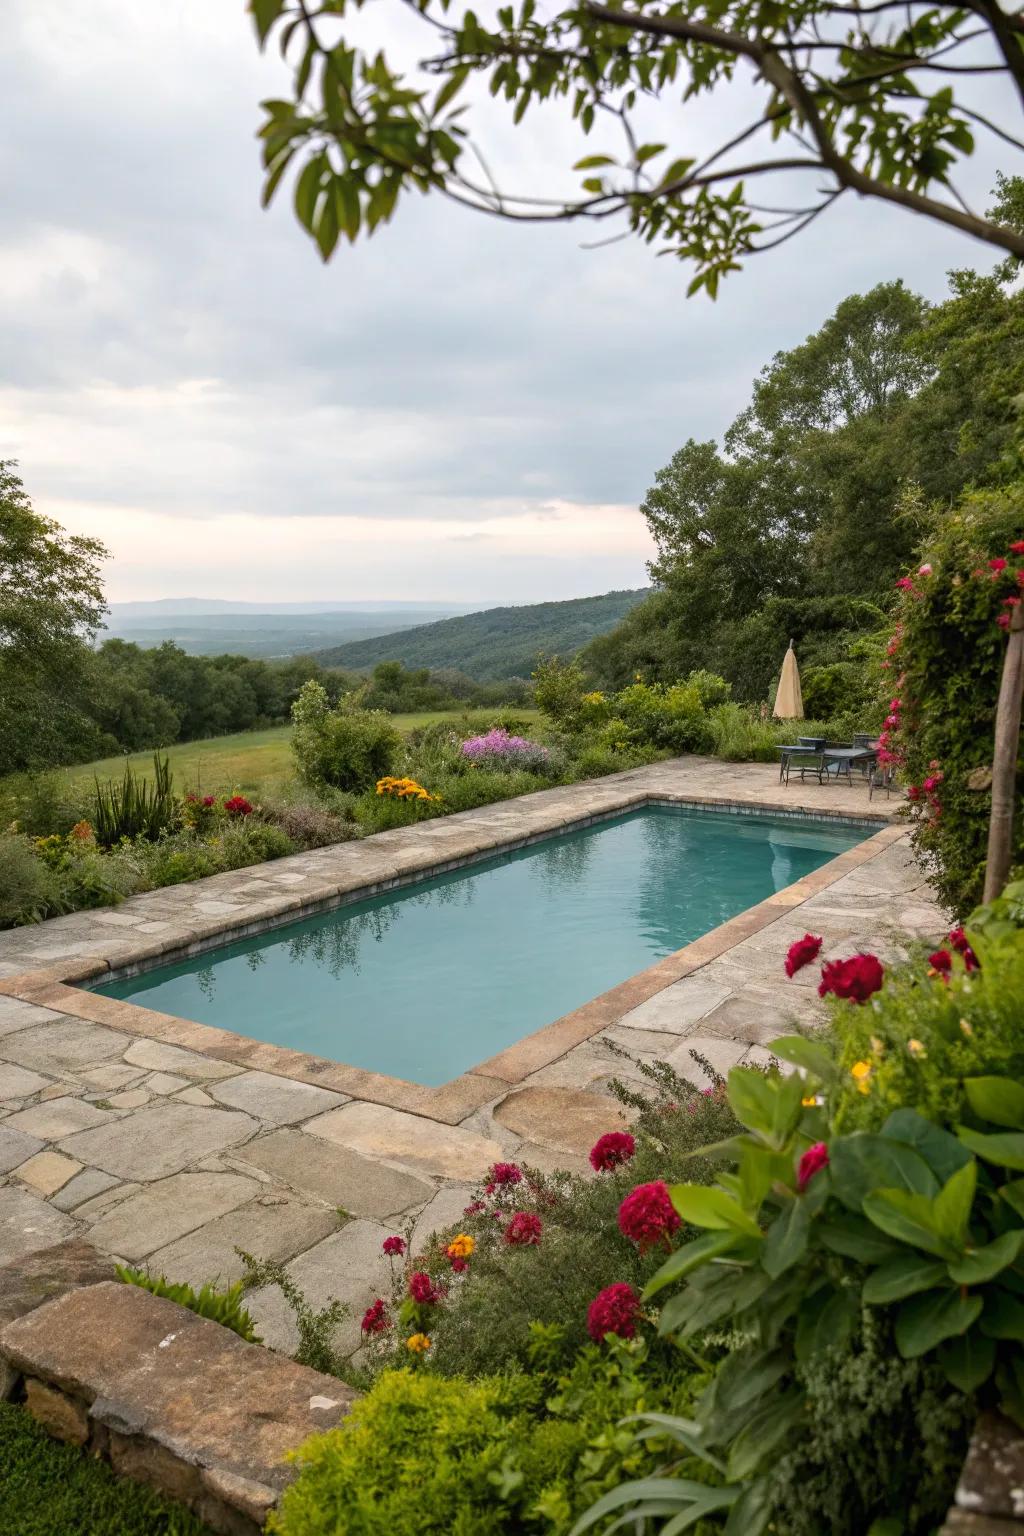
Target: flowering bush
(404, 789)
(498, 750)
(876, 1212)
(945, 659)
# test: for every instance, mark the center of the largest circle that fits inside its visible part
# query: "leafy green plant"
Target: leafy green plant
(521, 1453)
(345, 747)
(219, 1306)
(29, 890)
(135, 807)
(315, 1329)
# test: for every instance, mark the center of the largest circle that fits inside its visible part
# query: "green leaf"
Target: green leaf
(690, 1256)
(925, 1321)
(968, 1360)
(326, 231)
(451, 88)
(306, 189)
(941, 1151)
(902, 1277)
(811, 1055)
(826, 1321)
(762, 1433)
(750, 1515)
(1004, 1315)
(676, 172)
(670, 1493)
(769, 1106)
(855, 1238)
(704, 1206)
(648, 152)
(979, 1265)
(863, 1162)
(786, 1240)
(910, 1219)
(1006, 1149)
(591, 162)
(998, 1099)
(264, 13)
(349, 213)
(1013, 1194)
(952, 1204)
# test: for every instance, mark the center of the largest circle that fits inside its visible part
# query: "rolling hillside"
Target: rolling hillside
(498, 643)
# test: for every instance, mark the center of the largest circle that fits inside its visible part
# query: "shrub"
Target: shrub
(518, 1454)
(309, 826)
(345, 747)
(739, 734)
(42, 804)
(488, 1319)
(946, 657)
(135, 808)
(224, 1307)
(29, 890)
(558, 689)
(253, 842)
(670, 717)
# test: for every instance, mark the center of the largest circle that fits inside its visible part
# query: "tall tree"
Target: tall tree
(51, 604)
(878, 99)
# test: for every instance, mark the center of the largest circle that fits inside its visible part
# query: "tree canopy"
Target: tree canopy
(797, 525)
(874, 97)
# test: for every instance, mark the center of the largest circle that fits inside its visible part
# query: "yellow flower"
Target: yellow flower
(810, 1101)
(418, 1343)
(861, 1074)
(461, 1247)
(916, 1048)
(966, 1027)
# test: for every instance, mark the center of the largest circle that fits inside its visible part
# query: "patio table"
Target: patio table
(840, 760)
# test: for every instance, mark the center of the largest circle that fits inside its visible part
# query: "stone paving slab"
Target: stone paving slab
(240, 1142)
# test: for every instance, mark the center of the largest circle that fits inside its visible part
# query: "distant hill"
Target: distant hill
(494, 644)
(207, 627)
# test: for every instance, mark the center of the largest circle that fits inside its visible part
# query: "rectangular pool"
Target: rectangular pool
(429, 980)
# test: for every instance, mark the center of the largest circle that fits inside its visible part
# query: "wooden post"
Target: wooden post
(1004, 760)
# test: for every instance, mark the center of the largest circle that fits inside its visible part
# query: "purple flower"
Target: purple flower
(497, 749)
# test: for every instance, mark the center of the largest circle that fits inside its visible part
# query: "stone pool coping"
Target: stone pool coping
(391, 860)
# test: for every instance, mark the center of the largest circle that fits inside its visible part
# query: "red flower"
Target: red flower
(394, 1245)
(524, 1230)
(613, 1310)
(648, 1215)
(801, 953)
(905, 584)
(473, 1208)
(209, 800)
(1003, 621)
(238, 805)
(959, 941)
(422, 1289)
(1011, 602)
(913, 792)
(856, 978)
(997, 565)
(942, 962)
(812, 1162)
(611, 1150)
(1017, 547)
(502, 1174)
(459, 1265)
(375, 1318)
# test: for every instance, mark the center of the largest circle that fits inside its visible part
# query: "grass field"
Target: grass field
(250, 761)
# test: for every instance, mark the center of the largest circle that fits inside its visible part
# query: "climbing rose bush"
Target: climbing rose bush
(944, 661)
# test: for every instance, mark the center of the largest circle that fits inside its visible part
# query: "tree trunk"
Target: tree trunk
(1004, 761)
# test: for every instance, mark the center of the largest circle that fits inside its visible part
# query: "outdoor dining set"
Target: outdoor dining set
(830, 761)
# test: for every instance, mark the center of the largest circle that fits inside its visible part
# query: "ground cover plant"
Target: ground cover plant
(51, 1489)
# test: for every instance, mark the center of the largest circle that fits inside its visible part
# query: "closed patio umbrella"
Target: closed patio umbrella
(789, 704)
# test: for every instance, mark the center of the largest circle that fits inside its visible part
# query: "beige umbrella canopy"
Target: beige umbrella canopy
(789, 704)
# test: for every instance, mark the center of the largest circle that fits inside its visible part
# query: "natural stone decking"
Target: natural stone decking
(169, 1143)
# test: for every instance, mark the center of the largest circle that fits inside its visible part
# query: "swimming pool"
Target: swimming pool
(427, 981)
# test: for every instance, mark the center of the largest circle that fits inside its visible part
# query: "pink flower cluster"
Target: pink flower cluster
(497, 749)
(647, 1216)
(613, 1310)
(611, 1150)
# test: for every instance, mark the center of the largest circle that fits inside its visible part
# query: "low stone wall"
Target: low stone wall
(166, 1397)
(990, 1494)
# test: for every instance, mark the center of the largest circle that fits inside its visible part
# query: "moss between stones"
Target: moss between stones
(50, 1489)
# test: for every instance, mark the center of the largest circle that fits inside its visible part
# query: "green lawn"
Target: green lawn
(50, 1489)
(249, 761)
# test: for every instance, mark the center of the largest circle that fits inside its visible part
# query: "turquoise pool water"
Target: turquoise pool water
(427, 981)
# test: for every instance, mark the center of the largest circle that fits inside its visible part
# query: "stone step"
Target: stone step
(170, 1398)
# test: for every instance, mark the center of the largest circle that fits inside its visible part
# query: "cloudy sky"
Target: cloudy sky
(457, 409)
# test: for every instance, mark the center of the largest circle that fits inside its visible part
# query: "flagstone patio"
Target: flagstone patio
(169, 1144)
